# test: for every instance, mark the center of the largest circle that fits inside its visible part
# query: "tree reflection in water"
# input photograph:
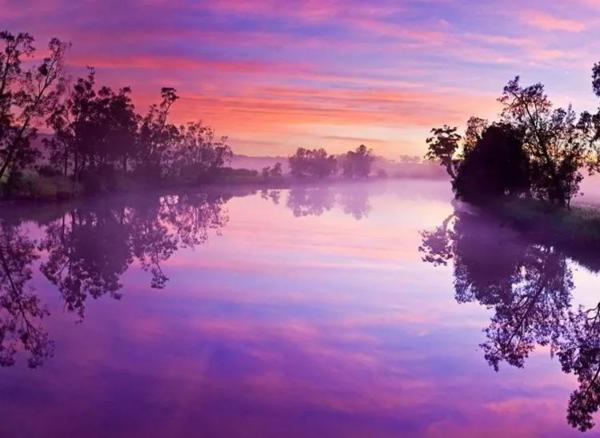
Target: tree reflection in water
(528, 284)
(316, 200)
(20, 309)
(311, 201)
(88, 250)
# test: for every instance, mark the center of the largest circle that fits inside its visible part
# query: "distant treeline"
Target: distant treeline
(405, 166)
(317, 163)
(533, 151)
(98, 142)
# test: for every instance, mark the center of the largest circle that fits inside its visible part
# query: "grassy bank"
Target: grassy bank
(35, 187)
(574, 231)
(51, 188)
(577, 223)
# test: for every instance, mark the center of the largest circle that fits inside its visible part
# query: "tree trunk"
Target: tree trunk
(66, 164)
(6, 164)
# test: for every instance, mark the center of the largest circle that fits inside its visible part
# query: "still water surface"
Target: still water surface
(351, 310)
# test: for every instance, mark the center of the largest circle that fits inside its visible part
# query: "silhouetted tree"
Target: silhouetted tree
(475, 129)
(26, 98)
(99, 135)
(357, 164)
(99, 141)
(558, 143)
(184, 154)
(443, 146)
(118, 127)
(157, 137)
(312, 163)
(494, 165)
(274, 172)
(196, 155)
(95, 131)
(596, 79)
(70, 122)
(540, 151)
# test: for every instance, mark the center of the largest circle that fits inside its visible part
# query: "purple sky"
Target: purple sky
(275, 75)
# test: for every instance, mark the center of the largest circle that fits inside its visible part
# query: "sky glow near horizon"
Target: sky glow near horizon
(275, 75)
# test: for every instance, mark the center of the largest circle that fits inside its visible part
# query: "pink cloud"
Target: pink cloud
(267, 75)
(545, 21)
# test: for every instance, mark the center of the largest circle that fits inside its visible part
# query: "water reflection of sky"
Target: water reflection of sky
(289, 326)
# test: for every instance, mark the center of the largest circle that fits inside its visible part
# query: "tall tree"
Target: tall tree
(558, 142)
(443, 146)
(157, 137)
(312, 163)
(494, 165)
(357, 163)
(553, 146)
(94, 130)
(26, 97)
(197, 155)
(71, 123)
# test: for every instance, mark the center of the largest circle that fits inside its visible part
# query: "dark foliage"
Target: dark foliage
(99, 141)
(443, 145)
(270, 173)
(312, 163)
(357, 163)
(495, 166)
(540, 151)
(95, 131)
(27, 98)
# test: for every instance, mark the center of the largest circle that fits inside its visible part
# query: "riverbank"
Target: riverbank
(574, 231)
(58, 188)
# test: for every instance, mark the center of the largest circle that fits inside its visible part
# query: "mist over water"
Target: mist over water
(376, 309)
(590, 189)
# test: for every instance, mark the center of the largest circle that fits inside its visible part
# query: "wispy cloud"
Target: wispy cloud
(546, 21)
(275, 74)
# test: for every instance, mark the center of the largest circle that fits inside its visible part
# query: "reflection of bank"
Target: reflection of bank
(88, 250)
(528, 283)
